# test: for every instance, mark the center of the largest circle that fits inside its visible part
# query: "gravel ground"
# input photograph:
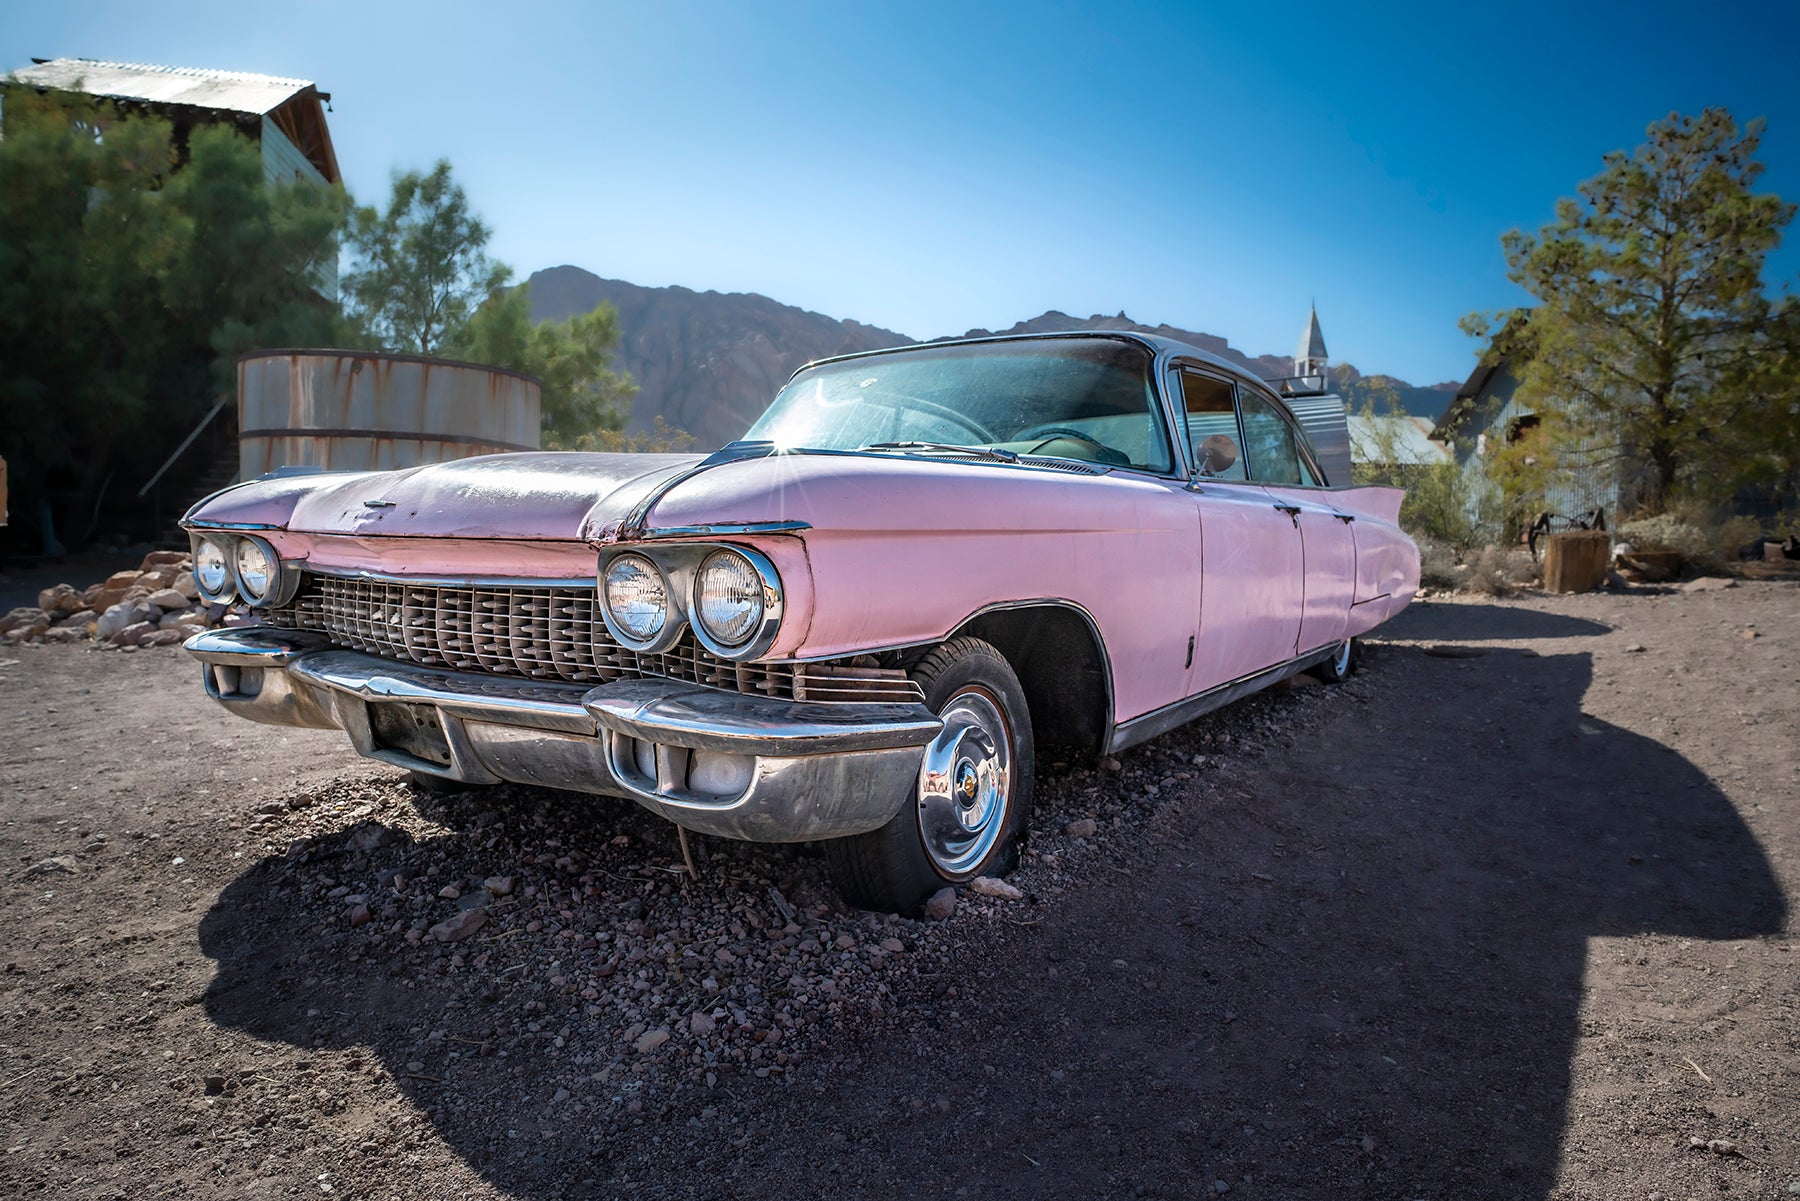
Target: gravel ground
(1509, 915)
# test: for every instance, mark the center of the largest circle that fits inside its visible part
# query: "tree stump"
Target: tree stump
(1576, 561)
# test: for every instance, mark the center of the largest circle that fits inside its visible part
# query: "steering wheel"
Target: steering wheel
(1054, 433)
(981, 432)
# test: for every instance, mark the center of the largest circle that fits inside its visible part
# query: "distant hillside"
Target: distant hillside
(1428, 401)
(705, 362)
(708, 362)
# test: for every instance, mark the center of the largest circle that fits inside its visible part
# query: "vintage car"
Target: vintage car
(861, 625)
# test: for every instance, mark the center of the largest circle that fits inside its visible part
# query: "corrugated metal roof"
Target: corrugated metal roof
(231, 91)
(1394, 440)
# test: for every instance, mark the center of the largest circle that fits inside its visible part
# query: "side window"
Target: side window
(1270, 441)
(1212, 427)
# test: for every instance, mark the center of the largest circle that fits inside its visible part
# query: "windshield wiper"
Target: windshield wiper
(990, 453)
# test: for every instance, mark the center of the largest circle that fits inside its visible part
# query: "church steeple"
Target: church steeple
(1310, 359)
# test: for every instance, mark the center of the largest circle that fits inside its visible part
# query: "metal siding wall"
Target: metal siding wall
(402, 403)
(284, 164)
(1328, 429)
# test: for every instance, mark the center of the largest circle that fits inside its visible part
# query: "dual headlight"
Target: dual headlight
(232, 565)
(731, 597)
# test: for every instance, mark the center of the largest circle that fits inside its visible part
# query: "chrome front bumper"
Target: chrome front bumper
(718, 762)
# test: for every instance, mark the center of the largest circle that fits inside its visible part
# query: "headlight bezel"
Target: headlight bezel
(679, 564)
(768, 624)
(284, 577)
(271, 566)
(674, 618)
(226, 592)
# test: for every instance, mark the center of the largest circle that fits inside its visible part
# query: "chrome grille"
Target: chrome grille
(547, 633)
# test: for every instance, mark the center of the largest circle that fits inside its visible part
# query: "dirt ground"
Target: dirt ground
(1510, 915)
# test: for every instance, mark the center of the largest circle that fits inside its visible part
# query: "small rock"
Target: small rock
(167, 599)
(1085, 827)
(61, 598)
(893, 946)
(214, 1085)
(702, 1024)
(449, 892)
(133, 634)
(457, 928)
(845, 942)
(1111, 764)
(28, 617)
(61, 865)
(988, 886)
(941, 905)
(562, 1094)
(1635, 649)
(1708, 584)
(649, 1040)
(371, 837)
(358, 915)
(500, 886)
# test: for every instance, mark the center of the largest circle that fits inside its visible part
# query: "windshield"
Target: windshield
(1074, 398)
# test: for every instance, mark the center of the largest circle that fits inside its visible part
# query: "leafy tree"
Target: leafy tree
(421, 264)
(123, 280)
(1650, 334)
(1438, 502)
(583, 396)
(423, 283)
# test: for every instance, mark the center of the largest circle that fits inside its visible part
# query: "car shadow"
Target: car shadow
(1461, 622)
(1351, 966)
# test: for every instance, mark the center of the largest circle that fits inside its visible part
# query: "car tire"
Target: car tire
(1342, 664)
(972, 822)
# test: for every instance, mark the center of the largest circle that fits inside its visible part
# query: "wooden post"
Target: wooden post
(1576, 561)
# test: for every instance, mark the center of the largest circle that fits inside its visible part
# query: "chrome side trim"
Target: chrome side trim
(706, 719)
(742, 529)
(1161, 721)
(191, 523)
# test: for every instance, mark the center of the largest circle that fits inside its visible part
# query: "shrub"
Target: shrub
(1437, 564)
(1703, 544)
(1500, 571)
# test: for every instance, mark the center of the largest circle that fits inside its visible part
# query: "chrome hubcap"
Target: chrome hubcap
(965, 782)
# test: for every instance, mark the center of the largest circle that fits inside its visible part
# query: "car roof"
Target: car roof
(1156, 343)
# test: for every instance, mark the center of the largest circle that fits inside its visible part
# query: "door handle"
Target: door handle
(1346, 518)
(1293, 512)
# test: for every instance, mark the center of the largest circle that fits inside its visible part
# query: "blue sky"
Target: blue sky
(935, 167)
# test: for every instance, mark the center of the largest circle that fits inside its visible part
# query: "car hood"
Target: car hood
(562, 496)
(538, 496)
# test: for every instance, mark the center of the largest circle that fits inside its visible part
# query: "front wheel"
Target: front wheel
(1342, 663)
(971, 800)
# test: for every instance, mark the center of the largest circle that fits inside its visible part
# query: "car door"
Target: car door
(1328, 544)
(1250, 549)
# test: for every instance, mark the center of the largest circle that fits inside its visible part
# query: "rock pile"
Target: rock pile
(156, 605)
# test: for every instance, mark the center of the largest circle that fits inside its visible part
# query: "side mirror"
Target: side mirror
(1216, 453)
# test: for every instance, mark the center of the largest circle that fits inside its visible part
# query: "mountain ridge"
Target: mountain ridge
(708, 362)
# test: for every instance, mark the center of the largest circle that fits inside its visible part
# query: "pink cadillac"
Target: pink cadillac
(859, 625)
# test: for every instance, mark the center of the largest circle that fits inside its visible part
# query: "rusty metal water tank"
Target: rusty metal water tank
(361, 410)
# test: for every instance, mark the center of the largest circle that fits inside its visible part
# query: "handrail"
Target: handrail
(185, 443)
